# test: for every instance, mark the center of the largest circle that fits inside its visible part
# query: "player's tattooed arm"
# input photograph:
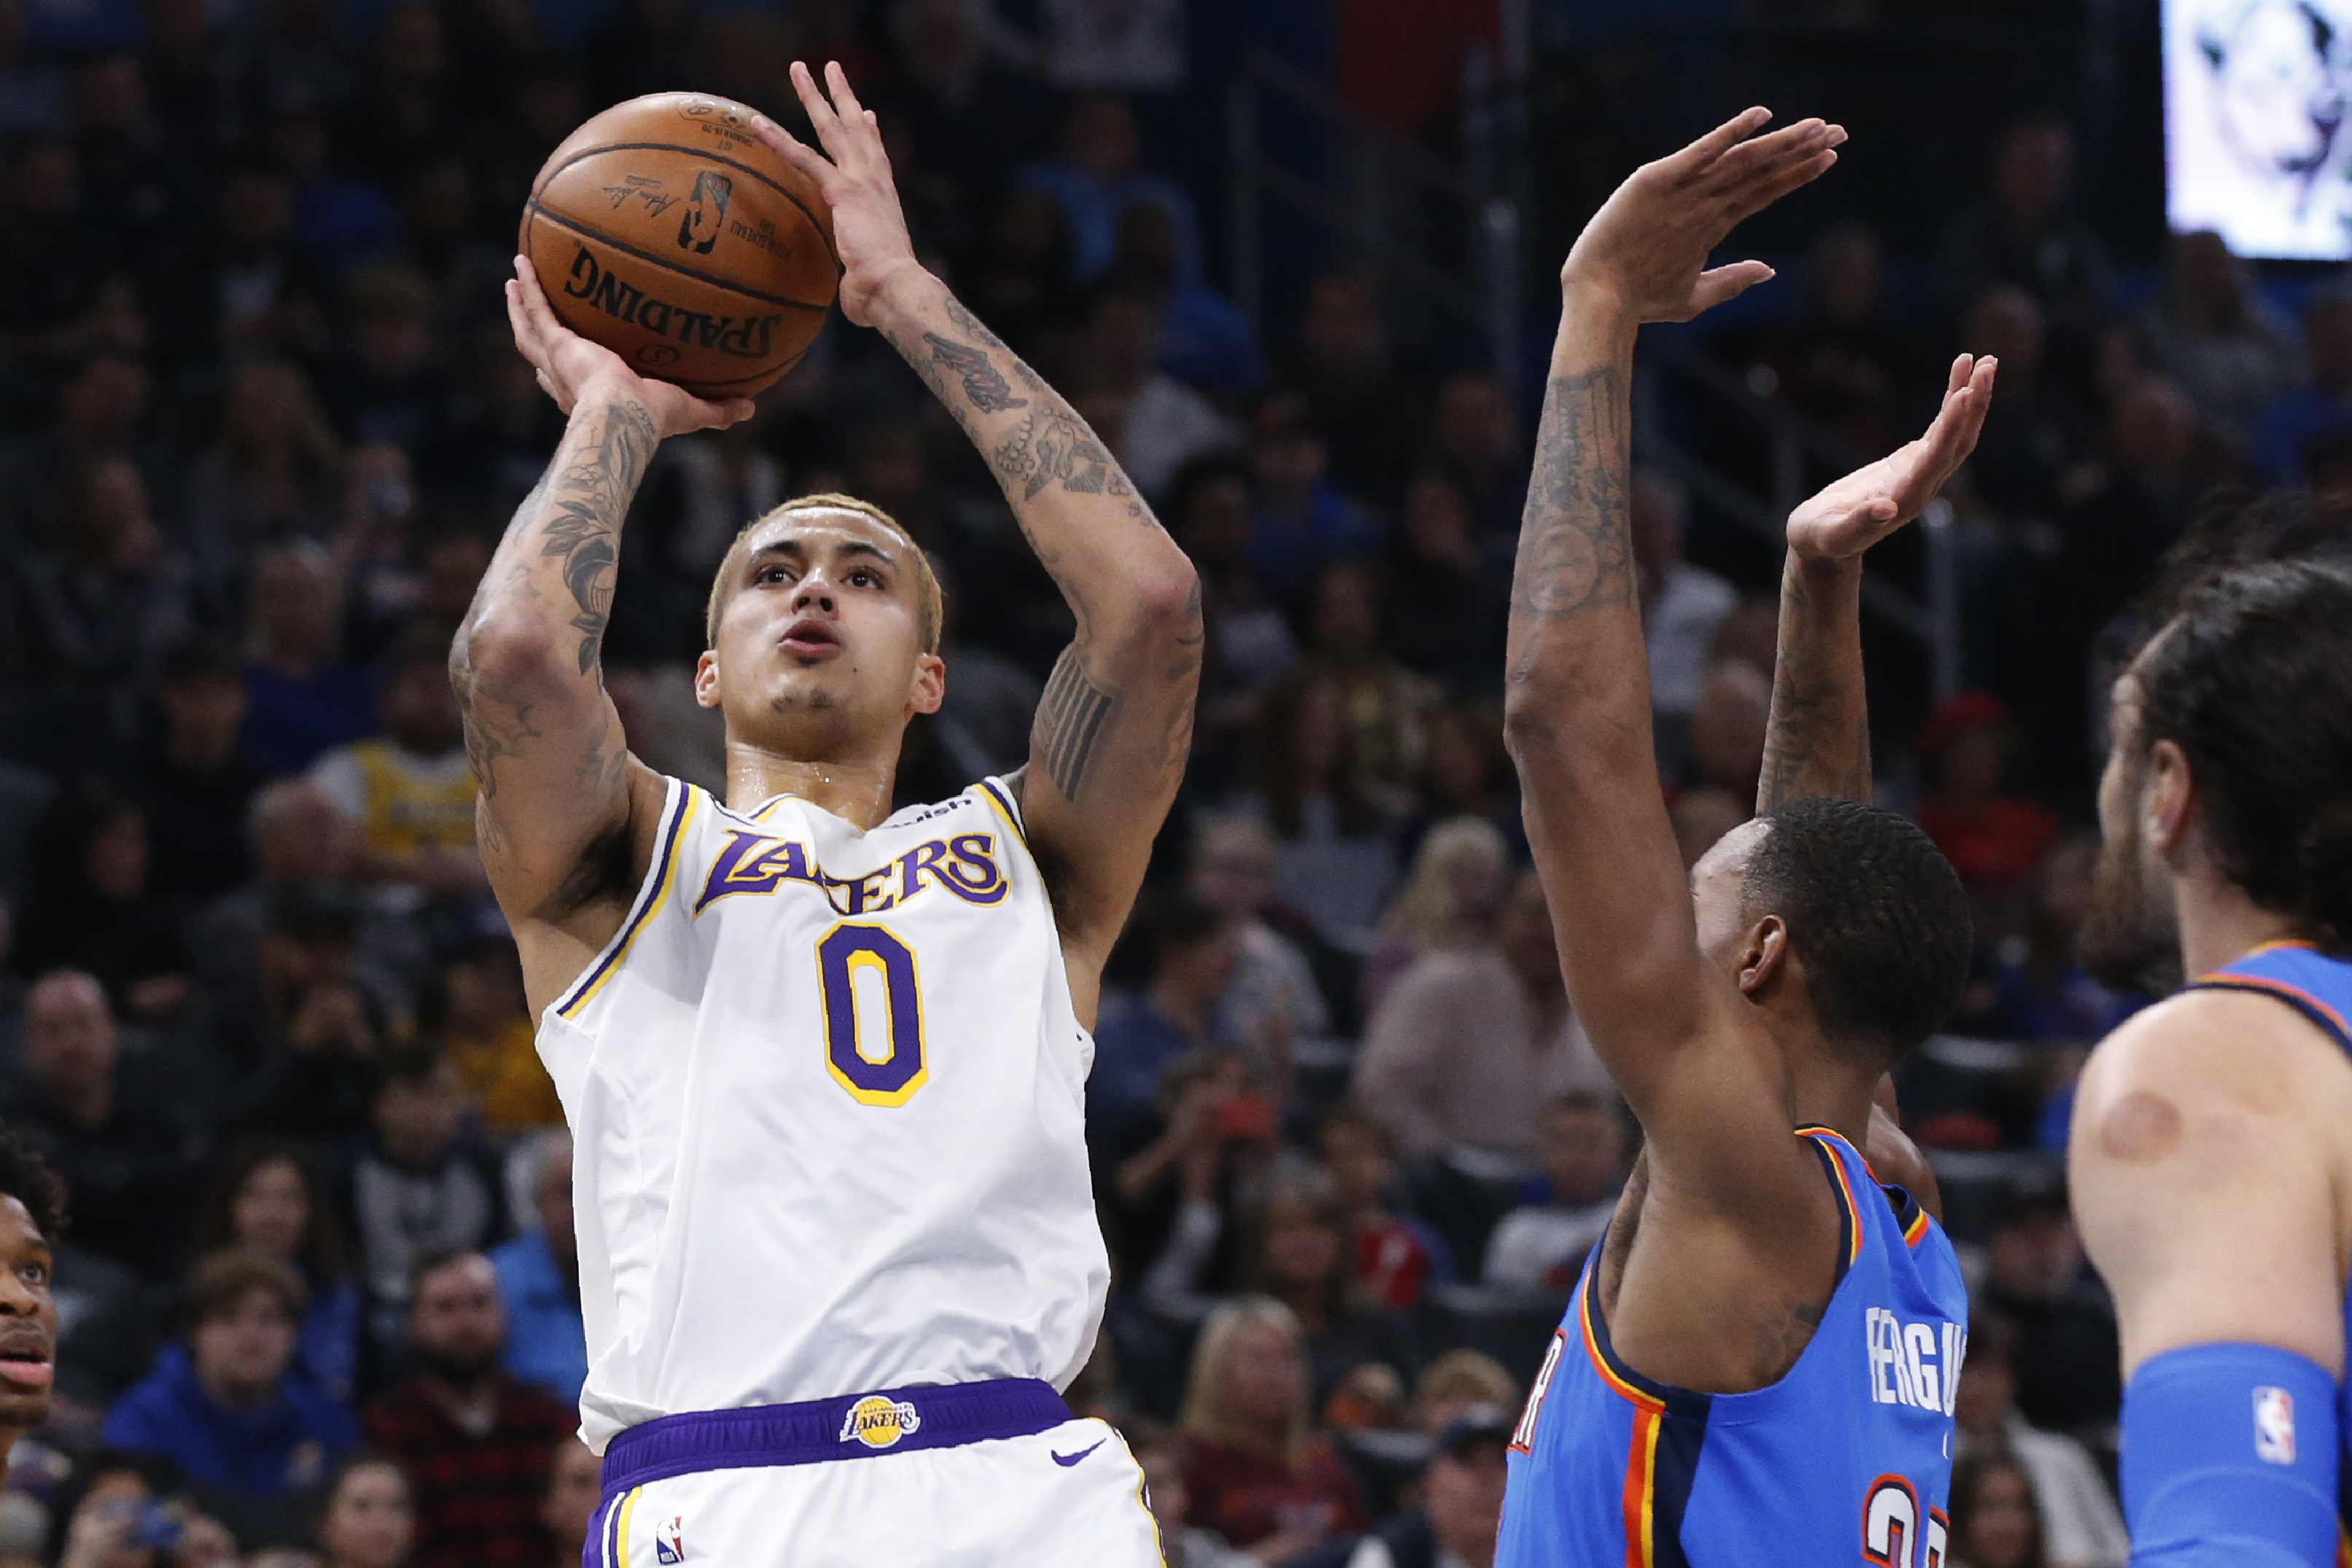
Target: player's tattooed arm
(1108, 744)
(1818, 742)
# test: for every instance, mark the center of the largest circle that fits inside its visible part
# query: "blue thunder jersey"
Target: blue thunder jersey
(1848, 1457)
(2320, 989)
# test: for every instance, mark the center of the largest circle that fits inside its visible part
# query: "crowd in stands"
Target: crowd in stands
(261, 424)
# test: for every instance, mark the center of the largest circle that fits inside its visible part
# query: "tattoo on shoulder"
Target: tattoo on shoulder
(1576, 552)
(1071, 718)
(983, 383)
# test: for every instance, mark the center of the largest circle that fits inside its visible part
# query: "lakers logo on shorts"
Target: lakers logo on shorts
(880, 1423)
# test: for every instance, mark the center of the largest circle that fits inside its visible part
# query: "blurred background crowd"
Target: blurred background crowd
(261, 423)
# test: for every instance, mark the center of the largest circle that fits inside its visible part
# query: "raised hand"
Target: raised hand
(567, 364)
(1857, 511)
(869, 230)
(1647, 246)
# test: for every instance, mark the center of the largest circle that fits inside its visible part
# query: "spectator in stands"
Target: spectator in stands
(574, 1482)
(101, 603)
(275, 469)
(1994, 838)
(220, 1404)
(2082, 1526)
(192, 786)
(2210, 331)
(1393, 1258)
(539, 1277)
(1258, 1473)
(1682, 605)
(2064, 1352)
(2278, 451)
(1995, 1523)
(266, 1199)
(421, 1188)
(2030, 457)
(1450, 902)
(1023, 277)
(1203, 341)
(1271, 995)
(411, 790)
(1191, 951)
(1341, 366)
(302, 698)
(307, 1068)
(2044, 993)
(1097, 178)
(116, 1131)
(90, 907)
(1475, 436)
(1465, 771)
(474, 1440)
(1173, 1177)
(1725, 736)
(1299, 522)
(1468, 1045)
(1250, 641)
(1332, 821)
(2025, 236)
(1305, 1257)
(1847, 361)
(1387, 705)
(98, 1515)
(965, 116)
(1461, 1507)
(1541, 1245)
(387, 388)
(1703, 815)
(485, 1023)
(1457, 1382)
(1161, 1454)
(1440, 579)
(370, 1517)
(1154, 423)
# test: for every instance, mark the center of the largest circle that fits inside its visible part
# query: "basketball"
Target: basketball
(665, 230)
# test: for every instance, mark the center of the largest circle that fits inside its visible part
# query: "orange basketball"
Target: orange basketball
(665, 230)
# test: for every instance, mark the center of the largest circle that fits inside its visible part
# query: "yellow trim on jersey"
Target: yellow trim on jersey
(1845, 1187)
(1142, 1498)
(666, 868)
(628, 1511)
(998, 803)
(1913, 1232)
(905, 1092)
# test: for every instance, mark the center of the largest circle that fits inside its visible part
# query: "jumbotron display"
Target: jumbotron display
(2255, 144)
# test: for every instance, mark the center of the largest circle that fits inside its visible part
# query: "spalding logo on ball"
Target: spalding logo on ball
(665, 230)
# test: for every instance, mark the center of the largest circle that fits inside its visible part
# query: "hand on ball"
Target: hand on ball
(569, 365)
(869, 230)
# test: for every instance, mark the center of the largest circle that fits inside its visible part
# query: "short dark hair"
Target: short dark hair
(222, 1278)
(408, 1064)
(25, 1176)
(1877, 913)
(2251, 678)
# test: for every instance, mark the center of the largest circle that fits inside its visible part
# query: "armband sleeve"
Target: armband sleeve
(2229, 1458)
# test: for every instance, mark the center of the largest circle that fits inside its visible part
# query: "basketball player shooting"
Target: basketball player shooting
(2211, 1157)
(824, 1064)
(1758, 1365)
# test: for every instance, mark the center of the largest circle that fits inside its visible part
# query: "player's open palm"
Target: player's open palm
(568, 363)
(869, 228)
(1857, 511)
(1648, 245)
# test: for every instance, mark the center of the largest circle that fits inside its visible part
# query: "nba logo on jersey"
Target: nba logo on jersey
(880, 1423)
(2274, 1426)
(669, 1540)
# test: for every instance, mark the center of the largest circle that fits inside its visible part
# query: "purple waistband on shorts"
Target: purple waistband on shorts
(851, 1427)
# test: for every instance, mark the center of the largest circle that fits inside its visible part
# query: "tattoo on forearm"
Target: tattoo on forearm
(1072, 716)
(1575, 552)
(983, 384)
(1813, 745)
(592, 497)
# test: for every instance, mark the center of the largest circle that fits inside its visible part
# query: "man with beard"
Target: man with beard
(474, 1441)
(2211, 1163)
(32, 1213)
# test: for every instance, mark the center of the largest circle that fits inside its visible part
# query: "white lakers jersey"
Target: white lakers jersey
(828, 1098)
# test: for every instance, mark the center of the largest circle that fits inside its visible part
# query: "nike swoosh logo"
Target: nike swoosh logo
(1066, 1460)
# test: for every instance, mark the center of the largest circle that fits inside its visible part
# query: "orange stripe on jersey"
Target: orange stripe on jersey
(2229, 982)
(1916, 1229)
(1846, 1190)
(1624, 1390)
(1642, 1487)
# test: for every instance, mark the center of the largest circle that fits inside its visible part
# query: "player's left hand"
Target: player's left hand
(1645, 250)
(869, 229)
(1857, 511)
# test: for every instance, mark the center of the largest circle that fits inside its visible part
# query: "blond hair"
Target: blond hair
(1430, 912)
(931, 601)
(1205, 1414)
(1469, 1375)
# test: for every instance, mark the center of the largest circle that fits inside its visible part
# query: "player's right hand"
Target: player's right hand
(569, 365)
(1645, 251)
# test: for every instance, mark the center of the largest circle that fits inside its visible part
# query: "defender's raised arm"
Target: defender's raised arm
(1111, 735)
(564, 814)
(1576, 693)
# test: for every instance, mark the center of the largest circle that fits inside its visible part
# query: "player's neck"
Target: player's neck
(2218, 924)
(1828, 1093)
(857, 789)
